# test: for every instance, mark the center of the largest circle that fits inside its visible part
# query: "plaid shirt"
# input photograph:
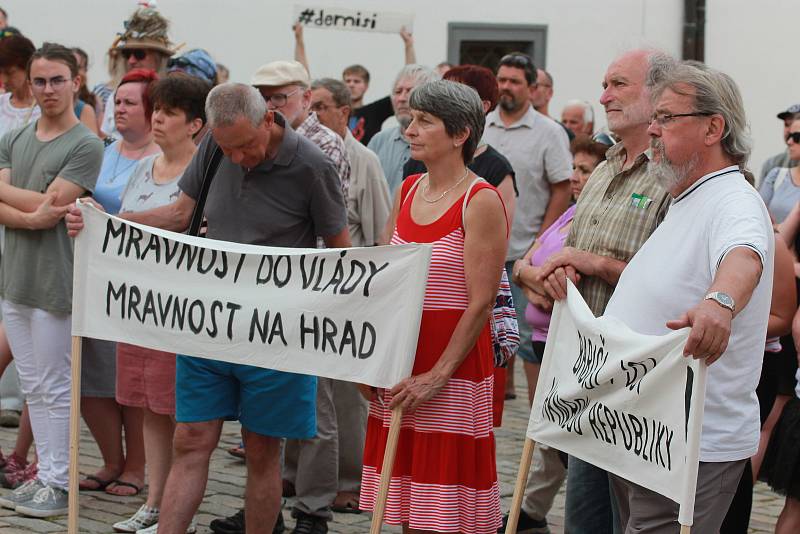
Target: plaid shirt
(331, 144)
(615, 214)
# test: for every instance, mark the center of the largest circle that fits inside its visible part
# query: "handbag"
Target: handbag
(504, 325)
(208, 176)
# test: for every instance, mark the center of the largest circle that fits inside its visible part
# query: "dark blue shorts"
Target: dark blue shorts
(267, 402)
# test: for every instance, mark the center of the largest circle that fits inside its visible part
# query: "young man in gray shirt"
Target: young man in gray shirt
(44, 167)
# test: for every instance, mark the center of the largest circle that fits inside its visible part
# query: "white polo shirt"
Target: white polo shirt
(673, 271)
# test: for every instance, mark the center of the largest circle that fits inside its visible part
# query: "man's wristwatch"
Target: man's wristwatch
(723, 299)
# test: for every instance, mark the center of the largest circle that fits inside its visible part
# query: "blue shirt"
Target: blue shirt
(393, 151)
(113, 178)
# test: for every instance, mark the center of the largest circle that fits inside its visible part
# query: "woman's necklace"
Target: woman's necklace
(115, 174)
(426, 186)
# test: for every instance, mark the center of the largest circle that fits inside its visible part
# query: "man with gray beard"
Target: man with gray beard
(391, 145)
(621, 205)
(708, 266)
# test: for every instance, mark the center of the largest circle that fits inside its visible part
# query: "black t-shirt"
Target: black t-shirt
(491, 165)
(367, 120)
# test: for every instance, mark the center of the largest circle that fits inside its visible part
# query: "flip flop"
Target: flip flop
(237, 452)
(122, 483)
(348, 504)
(101, 484)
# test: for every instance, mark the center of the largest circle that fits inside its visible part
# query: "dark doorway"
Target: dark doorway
(485, 44)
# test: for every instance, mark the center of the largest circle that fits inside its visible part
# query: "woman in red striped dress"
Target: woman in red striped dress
(444, 478)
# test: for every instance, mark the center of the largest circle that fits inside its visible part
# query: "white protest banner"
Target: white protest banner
(628, 403)
(362, 20)
(348, 314)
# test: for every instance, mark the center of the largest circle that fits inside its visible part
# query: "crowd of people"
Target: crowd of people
(656, 219)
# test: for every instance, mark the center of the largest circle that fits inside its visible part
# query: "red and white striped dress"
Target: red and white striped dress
(444, 477)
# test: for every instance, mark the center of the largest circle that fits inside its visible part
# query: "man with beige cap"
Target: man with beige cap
(286, 87)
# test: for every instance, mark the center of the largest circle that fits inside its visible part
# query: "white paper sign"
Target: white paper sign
(618, 400)
(350, 314)
(362, 20)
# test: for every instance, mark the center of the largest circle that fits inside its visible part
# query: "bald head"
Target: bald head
(627, 86)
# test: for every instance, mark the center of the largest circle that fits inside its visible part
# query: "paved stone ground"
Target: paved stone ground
(226, 482)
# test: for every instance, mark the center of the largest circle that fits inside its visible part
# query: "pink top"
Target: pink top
(551, 241)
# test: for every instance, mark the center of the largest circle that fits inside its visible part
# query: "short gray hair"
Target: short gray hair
(659, 65)
(714, 93)
(338, 90)
(458, 106)
(588, 111)
(229, 101)
(420, 73)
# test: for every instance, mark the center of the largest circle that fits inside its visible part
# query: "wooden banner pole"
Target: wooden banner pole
(74, 436)
(686, 529)
(519, 488)
(386, 471)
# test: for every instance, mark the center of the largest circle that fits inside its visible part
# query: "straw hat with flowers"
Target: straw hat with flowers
(146, 29)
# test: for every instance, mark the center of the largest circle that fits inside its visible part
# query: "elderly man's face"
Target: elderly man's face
(676, 144)
(243, 143)
(572, 117)
(625, 97)
(543, 92)
(293, 101)
(400, 95)
(328, 113)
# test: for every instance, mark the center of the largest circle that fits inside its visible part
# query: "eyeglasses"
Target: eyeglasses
(138, 53)
(794, 137)
(321, 106)
(57, 83)
(662, 119)
(279, 99)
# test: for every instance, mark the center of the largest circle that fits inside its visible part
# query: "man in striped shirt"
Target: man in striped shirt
(621, 205)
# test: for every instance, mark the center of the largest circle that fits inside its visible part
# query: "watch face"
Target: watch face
(725, 299)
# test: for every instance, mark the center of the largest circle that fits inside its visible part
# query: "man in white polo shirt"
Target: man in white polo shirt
(708, 266)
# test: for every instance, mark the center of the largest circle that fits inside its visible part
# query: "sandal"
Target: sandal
(346, 503)
(121, 483)
(99, 483)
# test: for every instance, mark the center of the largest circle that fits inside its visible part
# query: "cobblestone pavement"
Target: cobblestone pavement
(99, 511)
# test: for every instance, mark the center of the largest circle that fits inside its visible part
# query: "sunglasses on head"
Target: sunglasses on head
(138, 53)
(517, 60)
(794, 136)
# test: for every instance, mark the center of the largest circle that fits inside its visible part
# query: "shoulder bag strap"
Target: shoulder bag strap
(208, 177)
